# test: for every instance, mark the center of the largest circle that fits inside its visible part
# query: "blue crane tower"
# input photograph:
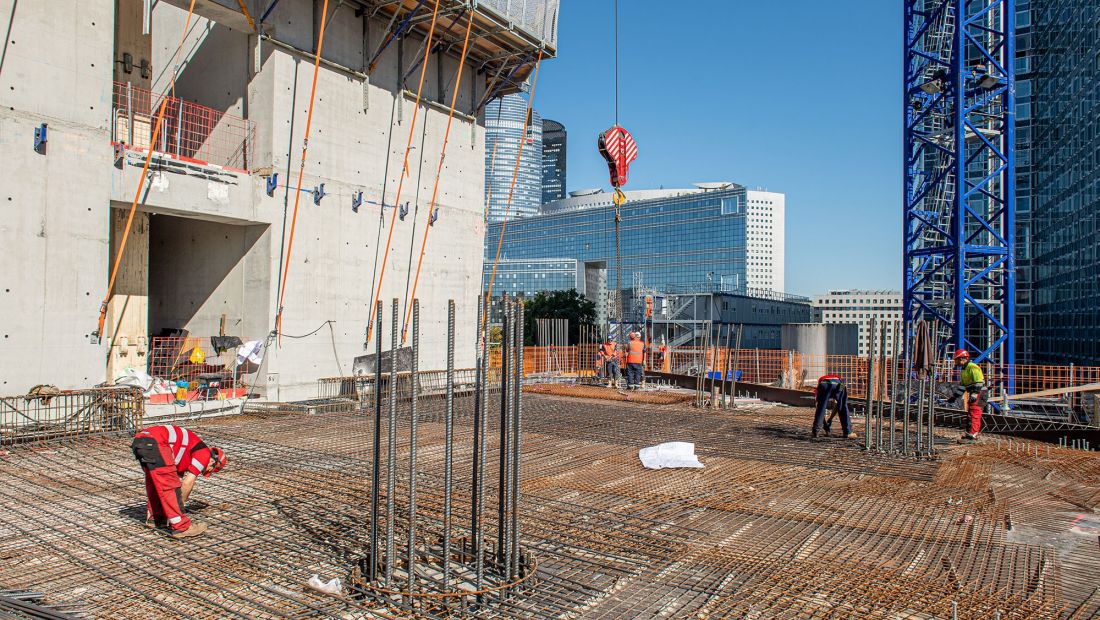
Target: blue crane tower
(959, 189)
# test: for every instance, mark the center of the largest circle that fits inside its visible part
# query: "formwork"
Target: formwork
(775, 526)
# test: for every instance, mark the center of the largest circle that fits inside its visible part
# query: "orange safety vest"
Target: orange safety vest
(607, 351)
(636, 354)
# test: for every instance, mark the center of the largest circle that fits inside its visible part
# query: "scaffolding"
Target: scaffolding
(960, 173)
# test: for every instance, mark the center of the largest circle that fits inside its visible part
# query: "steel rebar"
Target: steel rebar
(413, 422)
(517, 434)
(507, 343)
(448, 445)
(391, 452)
(905, 405)
(870, 385)
(894, 383)
(376, 456)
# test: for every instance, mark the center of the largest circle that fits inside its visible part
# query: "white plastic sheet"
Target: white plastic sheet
(668, 455)
(328, 587)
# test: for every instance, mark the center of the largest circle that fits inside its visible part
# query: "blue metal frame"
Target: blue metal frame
(959, 186)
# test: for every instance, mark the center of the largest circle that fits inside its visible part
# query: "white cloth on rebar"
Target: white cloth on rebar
(253, 351)
(328, 587)
(670, 454)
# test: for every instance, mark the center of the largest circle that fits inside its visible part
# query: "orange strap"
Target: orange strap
(301, 170)
(141, 181)
(512, 189)
(404, 168)
(438, 175)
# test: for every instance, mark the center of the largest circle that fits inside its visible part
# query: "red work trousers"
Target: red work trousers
(162, 482)
(974, 407)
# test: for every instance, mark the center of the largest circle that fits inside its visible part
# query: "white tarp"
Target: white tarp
(670, 454)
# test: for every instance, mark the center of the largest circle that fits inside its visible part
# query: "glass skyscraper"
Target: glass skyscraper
(678, 241)
(504, 133)
(1064, 187)
(553, 160)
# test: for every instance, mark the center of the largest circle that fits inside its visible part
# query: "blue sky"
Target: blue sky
(800, 97)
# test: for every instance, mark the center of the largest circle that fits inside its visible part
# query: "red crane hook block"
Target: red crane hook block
(618, 147)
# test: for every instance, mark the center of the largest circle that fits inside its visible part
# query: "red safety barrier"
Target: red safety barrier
(190, 132)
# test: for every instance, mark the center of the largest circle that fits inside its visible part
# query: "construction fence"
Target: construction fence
(796, 370)
(189, 132)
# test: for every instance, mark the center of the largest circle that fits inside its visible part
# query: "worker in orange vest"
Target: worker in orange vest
(635, 357)
(611, 362)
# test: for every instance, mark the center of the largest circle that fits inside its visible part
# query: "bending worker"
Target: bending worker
(611, 362)
(974, 393)
(635, 357)
(173, 458)
(831, 393)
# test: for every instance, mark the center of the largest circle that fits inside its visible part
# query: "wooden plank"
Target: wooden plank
(1091, 387)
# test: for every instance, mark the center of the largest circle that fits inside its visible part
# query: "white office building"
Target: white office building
(859, 307)
(764, 240)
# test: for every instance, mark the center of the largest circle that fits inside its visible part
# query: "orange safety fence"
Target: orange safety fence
(796, 370)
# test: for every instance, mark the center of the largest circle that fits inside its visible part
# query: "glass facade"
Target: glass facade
(503, 120)
(1064, 186)
(529, 276)
(1025, 105)
(672, 243)
(553, 160)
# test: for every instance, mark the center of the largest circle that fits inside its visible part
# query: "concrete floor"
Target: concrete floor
(775, 526)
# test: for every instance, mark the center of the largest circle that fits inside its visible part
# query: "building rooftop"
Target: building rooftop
(596, 197)
(775, 525)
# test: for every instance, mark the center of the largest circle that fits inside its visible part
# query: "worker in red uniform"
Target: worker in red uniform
(611, 362)
(831, 393)
(173, 458)
(975, 396)
(635, 357)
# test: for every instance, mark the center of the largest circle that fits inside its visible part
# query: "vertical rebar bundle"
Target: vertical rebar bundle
(425, 570)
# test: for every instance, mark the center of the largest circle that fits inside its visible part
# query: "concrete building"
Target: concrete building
(859, 307)
(204, 252)
(504, 132)
(672, 240)
(816, 342)
(682, 319)
(765, 240)
(553, 160)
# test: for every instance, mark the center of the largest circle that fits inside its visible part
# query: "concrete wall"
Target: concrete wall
(56, 69)
(215, 235)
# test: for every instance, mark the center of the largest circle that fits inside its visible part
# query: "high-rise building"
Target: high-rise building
(715, 237)
(1025, 117)
(504, 133)
(553, 160)
(1064, 162)
(859, 307)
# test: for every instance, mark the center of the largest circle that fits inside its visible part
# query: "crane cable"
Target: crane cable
(285, 267)
(438, 173)
(512, 189)
(404, 168)
(618, 201)
(141, 180)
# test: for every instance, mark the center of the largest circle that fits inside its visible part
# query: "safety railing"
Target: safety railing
(47, 413)
(431, 382)
(189, 132)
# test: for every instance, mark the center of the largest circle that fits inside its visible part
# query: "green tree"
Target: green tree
(569, 305)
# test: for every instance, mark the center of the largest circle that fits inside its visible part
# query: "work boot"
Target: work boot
(156, 523)
(852, 436)
(195, 529)
(814, 433)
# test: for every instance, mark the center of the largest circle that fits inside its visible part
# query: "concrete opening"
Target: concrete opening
(208, 278)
